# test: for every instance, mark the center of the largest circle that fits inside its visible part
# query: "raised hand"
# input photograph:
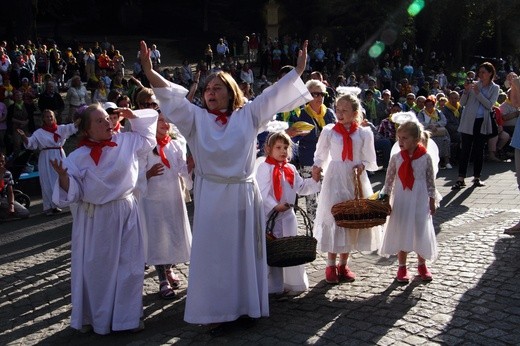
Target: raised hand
(302, 58)
(144, 55)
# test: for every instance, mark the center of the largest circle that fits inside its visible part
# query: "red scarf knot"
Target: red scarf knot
(117, 127)
(406, 171)
(161, 143)
(347, 152)
(277, 175)
(96, 148)
(2, 184)
(222, 117)
(52, 129)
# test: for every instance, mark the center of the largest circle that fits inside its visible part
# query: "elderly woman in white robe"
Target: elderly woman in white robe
(107, 257)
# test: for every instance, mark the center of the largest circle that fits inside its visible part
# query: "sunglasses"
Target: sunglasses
(149, 105)
(316, 94)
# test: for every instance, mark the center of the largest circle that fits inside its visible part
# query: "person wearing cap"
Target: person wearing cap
(384, 106)
(49, 140)
(434, 121)
(409, 102)
(370, 106)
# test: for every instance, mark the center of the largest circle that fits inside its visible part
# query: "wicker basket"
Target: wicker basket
(360, 213)
(290, 251)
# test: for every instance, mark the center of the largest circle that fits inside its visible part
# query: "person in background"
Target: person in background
(49, 140)
(52, 100)
(9, 207)
(475, 122)
(514, 97)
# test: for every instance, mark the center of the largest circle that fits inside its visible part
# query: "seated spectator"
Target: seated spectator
(9, 207)
(382, 144)
(509, 113)
(370, 106)
(434, 121)
(387, 128)
(497, 143)
(409, 102)
(452, 111)
(383, 107)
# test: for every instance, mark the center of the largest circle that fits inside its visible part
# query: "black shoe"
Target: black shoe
(222, 329)
(478, 183)
(458, 185)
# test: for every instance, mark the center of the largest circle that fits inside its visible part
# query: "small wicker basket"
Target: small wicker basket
(360, 213)
(290, 251)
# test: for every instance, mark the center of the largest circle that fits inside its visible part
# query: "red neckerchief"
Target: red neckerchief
(117, 127)
(277, 175)
(406, 171)
(221, 116)
(347, 152)
(96, 148)
(2, 183)
(161, 143)
(52, 129)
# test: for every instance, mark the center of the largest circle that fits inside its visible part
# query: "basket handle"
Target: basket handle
(358, 192)
(307, 222)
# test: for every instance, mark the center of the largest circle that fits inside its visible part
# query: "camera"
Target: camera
(469, 81)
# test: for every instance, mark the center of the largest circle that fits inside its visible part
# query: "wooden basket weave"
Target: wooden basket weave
(290, 251)
(360, 213)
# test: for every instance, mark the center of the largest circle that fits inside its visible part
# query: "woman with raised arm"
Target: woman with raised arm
(228, 269)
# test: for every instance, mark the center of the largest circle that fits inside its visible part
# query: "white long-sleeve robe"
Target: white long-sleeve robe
(228, 270)
(163, 210)
(49, 150)
(286, 225)
(107, 255)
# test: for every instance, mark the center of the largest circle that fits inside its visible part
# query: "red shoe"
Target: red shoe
(173, 279)
(345, 273)
(331, 275)
(424, 272)
(402, 275)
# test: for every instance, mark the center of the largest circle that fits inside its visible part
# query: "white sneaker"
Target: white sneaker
(449, 166)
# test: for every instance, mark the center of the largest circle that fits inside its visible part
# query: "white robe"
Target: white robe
(410, 225)
(163, 212)
(49, 150)
(289, 278)
(107, 255)
(338, 186)
(228, 270)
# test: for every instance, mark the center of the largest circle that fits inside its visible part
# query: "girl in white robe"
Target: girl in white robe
(279, 198)
(349, 151)
(228, 269)
(107, 255)
(49, 140)
(414, 199)
(163, 208)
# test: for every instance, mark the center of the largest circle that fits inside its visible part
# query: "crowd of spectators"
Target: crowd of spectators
(32, 76)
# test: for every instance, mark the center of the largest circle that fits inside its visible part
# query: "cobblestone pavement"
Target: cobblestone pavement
(473, 299)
